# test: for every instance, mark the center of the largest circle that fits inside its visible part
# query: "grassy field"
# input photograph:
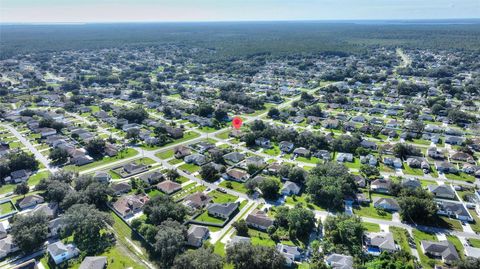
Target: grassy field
(116, 258)
(188, 167)
(474, 242)
(461, 176)
(106, 160)
(6, 208)
(204, 217)
(237, 186)
(165, 154)
(221, 198)
(401, 238)
(260, 238)
(458, 245)
(371, 227)
(476, 225)
(302, 199)
(372, 212)
(419, 236)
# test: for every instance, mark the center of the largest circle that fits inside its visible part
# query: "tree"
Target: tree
(162, 207)
(95, 147)
(416, 205)
(403, 150)
(248, 256)
(270, 188)
(97, 193)
(56, 191)
(29, 231)
(343, 234)
(134, 115)
(369, 171)
(58, 156)
(19, 160)
(63, 176)
(468, 263)
(169, 242)
(329, 183)
(220, 115)
(241, 227)
(21, 189)
(273, 113)
(86, 223)
(298, 220)
(396, 260)
(172, 174)
(209, 173)
(297, 174)
(202, 258)
(133, 134)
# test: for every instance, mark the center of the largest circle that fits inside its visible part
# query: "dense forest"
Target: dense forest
(243, 38)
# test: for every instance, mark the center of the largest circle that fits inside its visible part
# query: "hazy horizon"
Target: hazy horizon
(144, 11)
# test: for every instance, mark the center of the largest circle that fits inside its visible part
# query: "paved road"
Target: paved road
(30, 147)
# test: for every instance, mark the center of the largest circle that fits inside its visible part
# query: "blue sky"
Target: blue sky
(231, 10)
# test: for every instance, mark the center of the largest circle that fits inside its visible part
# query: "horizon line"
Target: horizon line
(233, 21)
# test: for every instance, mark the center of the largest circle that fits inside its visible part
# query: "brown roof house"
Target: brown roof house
(258, 219)
(197, 200)
(169, 186)
(128, 205)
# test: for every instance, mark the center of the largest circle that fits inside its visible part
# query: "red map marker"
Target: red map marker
(237, 122)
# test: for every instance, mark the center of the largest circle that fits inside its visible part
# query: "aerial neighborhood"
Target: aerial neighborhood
(126, 157)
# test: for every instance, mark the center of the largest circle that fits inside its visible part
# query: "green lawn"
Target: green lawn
(221, 198)
(117, 259)
(274, 151)
(165, 154)
(461, 176)
(474, 242)
(476, 225)
(126, 237)
(34, 179)
(371, 227)
(418, 237)
(188, 167)
(401, 238)
(106, 160)
(237, 186)
(7, 188)
(412, 171)
(223, 135)
(290, 200)
(6, 208)
(458, 245)
(260, 238)
(372, 212)
(204, 217)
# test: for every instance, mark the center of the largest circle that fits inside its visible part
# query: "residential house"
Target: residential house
(442, 191)
(94, 262)
(291, 253)
(30, 201)
(181, 151)
(393, 162)
(121, 187)
(7, 246)
(369, 159)
(234, 157)
(19, 176)
(255, 161)
(411, 182)
(196, 235)
(377, 243)
(434, 153)
(339, 261)
(197, 200)
(258, 219)
(381, 185)
(129, 205)
(169, 186)
(102, 176)
(290, 188)
(446, 167)
(197, 159)
(323, 154)
(360, 181)
(302, 152)
(263, 142)
(388, 204)
(236, 175)
(237, 240)
(344, 157)
(223, 211)
(453, 210)
(443, 250)
(286, 146)
(59, 252)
